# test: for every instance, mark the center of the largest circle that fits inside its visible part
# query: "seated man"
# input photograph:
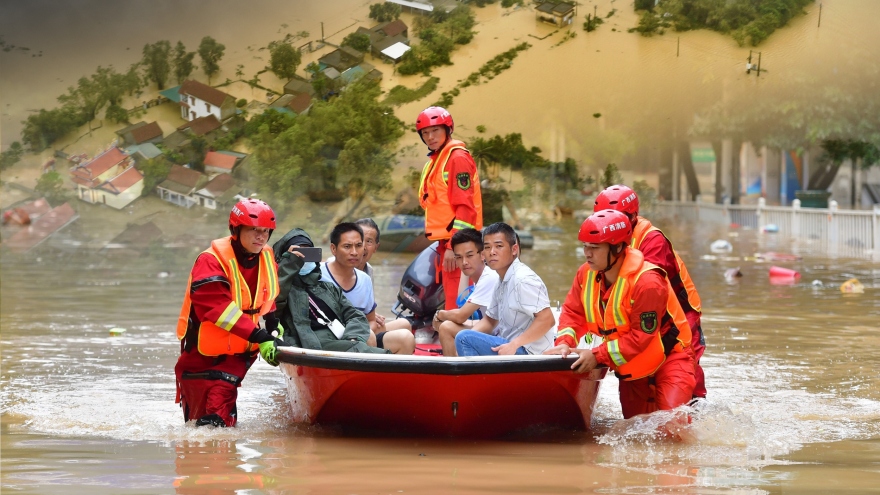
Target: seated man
(467, 244)
(519, 320)
(347, 244)
(315, 314)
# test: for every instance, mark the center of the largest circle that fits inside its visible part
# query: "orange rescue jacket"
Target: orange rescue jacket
(434, 195)
(643, 227)
(214, 337)
(616, 319)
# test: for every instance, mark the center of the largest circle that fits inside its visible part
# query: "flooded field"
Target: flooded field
(793, 407)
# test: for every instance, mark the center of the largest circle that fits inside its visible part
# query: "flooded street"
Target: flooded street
(793, 407)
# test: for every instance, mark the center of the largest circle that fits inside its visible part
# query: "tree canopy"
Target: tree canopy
(183, 62)
(384, 12)
(358, 41)
(156, 62)
(345, 138)
(284, 59)
(211, 52)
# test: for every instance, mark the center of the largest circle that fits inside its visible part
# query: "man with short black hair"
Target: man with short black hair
(347, 244)
(467, 244)
(519, 319)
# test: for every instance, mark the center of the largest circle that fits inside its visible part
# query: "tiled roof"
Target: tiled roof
(42, 228)
(300, 103)
(123, 181)
(219, 160)
(102, 163)
(394, 28)
(183, 176)
(146, 132)
(219, 185)
(203, 92)
(201, 125)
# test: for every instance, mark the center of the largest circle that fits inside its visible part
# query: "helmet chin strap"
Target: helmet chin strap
(609, 264)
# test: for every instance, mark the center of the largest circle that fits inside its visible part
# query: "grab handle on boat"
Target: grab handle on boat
(454, 409)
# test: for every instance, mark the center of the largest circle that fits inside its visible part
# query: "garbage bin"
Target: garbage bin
(813, 199)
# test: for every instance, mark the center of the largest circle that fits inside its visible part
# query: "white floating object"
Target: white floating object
(720, 246)
(116, 332)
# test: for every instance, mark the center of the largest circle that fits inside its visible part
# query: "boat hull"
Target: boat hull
(438, 397)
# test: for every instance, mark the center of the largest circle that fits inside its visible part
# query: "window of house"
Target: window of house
(192, 100)
(208, 107)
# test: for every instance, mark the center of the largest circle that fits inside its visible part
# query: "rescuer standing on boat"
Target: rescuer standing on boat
(449, 192)
(657, 248)
(618, 295)
(232, 284)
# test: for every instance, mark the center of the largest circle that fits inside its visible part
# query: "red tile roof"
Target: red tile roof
(203, 92)
(394, 28)
(146, 132)
(201, 125)
(123, 181)
(219, 160)
(220, 184)
(42, 228)
(184, 176)
(105, 161)
(300, 103)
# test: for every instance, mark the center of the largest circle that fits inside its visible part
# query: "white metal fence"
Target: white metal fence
(829, 231)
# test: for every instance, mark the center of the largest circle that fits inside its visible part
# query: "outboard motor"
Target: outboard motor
(420, 292)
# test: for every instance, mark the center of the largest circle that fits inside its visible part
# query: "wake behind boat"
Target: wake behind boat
(471, 397)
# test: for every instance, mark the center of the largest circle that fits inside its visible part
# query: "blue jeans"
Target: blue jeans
(473, 343)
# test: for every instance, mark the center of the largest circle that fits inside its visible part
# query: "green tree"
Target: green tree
(183, 62)
(116, 113)
(44, 127)
(284, 59)
(384, 12)
(87, 97)
(211, 52)
(51, 186)
(11, 156)
(198, 150)
(358, 41)
(156, 60)
(155, 170)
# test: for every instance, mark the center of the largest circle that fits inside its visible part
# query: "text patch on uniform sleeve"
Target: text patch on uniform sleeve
(464, 181)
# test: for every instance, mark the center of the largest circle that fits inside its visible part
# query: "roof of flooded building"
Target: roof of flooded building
(123, 181)
(203, 92)
(201, 125)
(219, 160)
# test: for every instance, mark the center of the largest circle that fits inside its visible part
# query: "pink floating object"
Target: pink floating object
(779, 272)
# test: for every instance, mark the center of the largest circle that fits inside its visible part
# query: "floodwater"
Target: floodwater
(793, 407)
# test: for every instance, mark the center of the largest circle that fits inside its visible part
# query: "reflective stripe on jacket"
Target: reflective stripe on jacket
(440, 218)
(215, 337)
(616, 318)
(643, 227)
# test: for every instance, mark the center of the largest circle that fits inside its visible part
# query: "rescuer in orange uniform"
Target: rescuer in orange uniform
(449, 192)
(657, 248)
(618, 295)
(231, 285)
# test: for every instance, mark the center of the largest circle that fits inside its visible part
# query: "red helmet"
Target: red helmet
(609, 226)
(620, 198)
(434, 116)
(253, 213)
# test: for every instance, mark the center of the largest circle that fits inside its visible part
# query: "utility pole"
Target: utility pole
(819, 24)
(752, 67)
(322, 31)
(678, 46)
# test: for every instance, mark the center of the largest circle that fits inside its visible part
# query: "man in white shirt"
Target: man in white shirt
(467, 244)
(519, 319)
(347, 244)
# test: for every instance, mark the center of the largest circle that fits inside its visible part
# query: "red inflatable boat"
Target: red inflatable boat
(472, 397)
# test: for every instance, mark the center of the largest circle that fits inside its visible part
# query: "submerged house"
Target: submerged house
(199, 100)
(341, 59)
(558, 13)
(110, 178)
(180, 185)
(140, 133)
(219, 192)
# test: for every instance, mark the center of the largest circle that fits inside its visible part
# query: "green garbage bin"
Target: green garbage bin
(813, 199)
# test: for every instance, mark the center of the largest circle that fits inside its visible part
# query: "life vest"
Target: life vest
(434, 195)
(616, 319)
(643, 227)
(215, 338)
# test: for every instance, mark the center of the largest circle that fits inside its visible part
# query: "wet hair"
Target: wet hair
(368, 222)
(502, 228)
(468, 235)
(344, 228)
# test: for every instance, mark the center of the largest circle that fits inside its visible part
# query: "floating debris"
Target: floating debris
(852, 286)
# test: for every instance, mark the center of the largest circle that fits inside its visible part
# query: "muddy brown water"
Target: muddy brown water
(793, 407)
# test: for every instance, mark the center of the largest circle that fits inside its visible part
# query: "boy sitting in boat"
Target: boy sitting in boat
(467, 244)
(347, 246)
(519, 319)
(315, 314)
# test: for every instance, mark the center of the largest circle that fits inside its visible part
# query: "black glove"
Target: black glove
(670, 339)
